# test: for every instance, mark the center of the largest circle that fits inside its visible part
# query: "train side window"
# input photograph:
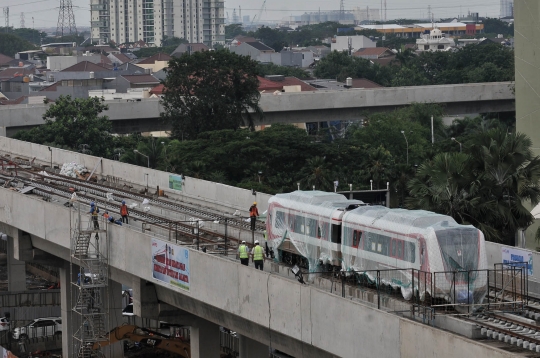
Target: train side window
(422, 253)
(359, 238)
(311, 227)
(354, 240)
(399, 249)
(410, 253)
(319, 231)
(299, 224)
(291, 222)
(280, 220)
(393, 245)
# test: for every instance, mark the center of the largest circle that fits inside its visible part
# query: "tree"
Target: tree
(485, 185)
(316, 173)
(11, 44)
(72, 123)
(210, 90)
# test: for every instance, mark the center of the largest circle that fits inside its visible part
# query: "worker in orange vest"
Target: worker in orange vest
(253, 213)
(124, 212)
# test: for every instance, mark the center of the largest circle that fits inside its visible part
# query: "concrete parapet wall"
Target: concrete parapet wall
(312, 317)
(218, 195)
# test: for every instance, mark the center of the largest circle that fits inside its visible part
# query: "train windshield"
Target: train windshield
(459, 248)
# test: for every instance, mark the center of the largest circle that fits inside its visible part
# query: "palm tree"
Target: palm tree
(317, 174)
(512, 173)
(446, 185)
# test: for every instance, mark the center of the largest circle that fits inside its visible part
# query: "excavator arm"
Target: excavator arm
(147, 338)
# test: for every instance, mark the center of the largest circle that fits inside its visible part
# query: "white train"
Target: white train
(319, 230)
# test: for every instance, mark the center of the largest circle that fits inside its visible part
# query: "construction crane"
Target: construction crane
(147, 338)
(258, 16)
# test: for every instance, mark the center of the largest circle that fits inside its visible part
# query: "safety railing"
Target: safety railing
(427, 294)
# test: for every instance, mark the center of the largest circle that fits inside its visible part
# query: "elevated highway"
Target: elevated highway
(263, 307)
(317, 106)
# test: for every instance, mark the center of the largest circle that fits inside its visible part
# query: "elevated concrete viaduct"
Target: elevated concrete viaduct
(264, 308)
(317, 106)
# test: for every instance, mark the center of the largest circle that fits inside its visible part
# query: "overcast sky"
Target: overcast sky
(45, 12)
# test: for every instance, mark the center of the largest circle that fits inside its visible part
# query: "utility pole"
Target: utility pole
(341, 10)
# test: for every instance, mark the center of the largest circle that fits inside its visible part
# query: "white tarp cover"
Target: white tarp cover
(71, 169)
(305, 219)
(536, 212)
(379, 238)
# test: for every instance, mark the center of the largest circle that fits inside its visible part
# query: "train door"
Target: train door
(336, 234)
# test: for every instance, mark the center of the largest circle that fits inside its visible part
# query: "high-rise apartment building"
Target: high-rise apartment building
(124, 21)
(507, 8)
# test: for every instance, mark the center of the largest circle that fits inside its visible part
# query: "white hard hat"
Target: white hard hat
(243, 241)
(256, 241)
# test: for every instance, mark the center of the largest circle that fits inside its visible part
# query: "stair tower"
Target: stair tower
(90, 273)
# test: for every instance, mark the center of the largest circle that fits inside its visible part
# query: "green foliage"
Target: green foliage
(11, 44)
(70, 123)
(30, 35)
(496, 26)
(484, 186)
(473, 63)
(210, 91)
(233, 30)
(272, 69)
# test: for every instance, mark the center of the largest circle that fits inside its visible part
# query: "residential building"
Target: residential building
(129, 21)
(374, 53)
(435, 41)
(189, 48)
(353, 43)
(252, 49)
(507, 8)
(297, 57)
(4, 60)
(156, 62)
(273, 83)
(59, 63)
(135, 81)
(319, 51)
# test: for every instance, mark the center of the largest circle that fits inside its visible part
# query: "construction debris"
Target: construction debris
(74, 170)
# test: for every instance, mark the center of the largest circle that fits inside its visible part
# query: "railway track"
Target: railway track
(51, 186)
(506, 329)
(121, 194)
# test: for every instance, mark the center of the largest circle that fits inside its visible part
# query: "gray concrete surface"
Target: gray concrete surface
(300, 320)
(141, 116)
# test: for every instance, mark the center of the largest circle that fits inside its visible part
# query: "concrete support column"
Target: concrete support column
(204, 339)
(250, 348)
(16, 269)
(70, 321)
(114, 305)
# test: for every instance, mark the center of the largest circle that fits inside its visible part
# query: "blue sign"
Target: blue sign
(518, 258)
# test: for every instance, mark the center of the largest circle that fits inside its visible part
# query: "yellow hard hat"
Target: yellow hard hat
(255, 203)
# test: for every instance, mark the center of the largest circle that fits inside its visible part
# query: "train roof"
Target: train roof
(319, 198)
(384, 217)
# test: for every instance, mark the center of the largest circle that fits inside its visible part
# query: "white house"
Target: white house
(435, 41)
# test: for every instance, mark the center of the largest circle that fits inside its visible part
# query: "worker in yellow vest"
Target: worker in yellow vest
(243, 252)
(258, 255)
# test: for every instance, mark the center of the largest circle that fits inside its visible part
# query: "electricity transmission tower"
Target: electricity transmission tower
(66, 19)
(22, 20)
(341, 10)
(6, 15)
